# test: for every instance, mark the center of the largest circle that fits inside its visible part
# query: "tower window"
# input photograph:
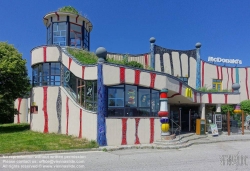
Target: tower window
(59, 33)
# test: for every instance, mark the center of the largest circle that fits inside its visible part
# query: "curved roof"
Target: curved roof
(51, 14)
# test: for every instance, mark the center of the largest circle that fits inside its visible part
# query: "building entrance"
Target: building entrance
(183, 117)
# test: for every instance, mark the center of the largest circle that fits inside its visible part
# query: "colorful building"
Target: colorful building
(118, 104)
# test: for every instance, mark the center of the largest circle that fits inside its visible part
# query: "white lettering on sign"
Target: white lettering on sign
(218, 59)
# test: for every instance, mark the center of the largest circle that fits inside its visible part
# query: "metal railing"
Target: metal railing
(178, 129)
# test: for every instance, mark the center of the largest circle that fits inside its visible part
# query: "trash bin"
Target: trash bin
(234, 126)
(200, 126)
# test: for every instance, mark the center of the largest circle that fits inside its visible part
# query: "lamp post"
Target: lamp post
(228, 122)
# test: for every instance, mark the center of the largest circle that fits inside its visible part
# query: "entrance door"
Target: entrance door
(185, 117)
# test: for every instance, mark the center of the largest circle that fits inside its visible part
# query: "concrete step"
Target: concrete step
(179, 141)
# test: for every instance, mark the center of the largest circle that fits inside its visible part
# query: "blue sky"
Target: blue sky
(125, 26)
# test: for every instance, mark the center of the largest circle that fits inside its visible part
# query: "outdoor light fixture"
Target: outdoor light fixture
(237, 109)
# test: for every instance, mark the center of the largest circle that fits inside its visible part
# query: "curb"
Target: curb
(153, 146)
(48, 152)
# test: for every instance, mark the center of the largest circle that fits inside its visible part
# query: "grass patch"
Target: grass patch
(83, 56)
(17, 138)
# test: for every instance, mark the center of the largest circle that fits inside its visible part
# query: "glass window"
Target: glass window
(184, 79)
(75, 35)
(116, 96)
(59, 33)
(86, 39)
(46, 73)
(49, 35)
(55, 68)
(130, 96)
(35, 75)
(155, 102)
(144, 97)
(123, 100)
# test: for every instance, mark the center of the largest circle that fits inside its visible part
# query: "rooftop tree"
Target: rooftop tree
(69, 9)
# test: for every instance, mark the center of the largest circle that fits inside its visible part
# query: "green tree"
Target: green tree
(245, 105)
(14, 81)
(226, 108)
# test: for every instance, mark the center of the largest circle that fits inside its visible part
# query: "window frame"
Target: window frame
(216, 83)
(126, 110)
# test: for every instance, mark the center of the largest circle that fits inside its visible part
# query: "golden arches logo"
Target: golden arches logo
(188, 92)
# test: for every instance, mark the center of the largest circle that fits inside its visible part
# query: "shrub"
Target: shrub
(134, 64)
(83, 56)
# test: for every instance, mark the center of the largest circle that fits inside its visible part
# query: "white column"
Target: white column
(202, 109)
(218, 107)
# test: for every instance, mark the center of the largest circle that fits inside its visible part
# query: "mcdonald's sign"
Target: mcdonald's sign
(188, 92)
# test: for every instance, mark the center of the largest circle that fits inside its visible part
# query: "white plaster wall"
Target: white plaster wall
(145, 79)
(149, 60)
(192, 76)
(226, 78)
(166, 63)
(52, 94)
(242, 82)
(157, 63)
(172, 84)
(37, 121)
(23, 111)
(204, 98)
(144, 131)
(199, 98)
(161, 82)
(218, 98)
(111, 75)
(184, 64)
(234, 75)
(76, 69)
(73, 20)
(176, 63)
(90, 73)
(65, 60)
(233, 99)
(37, 55)
(28, 117)
(130, 131)
(89, 119)
(129, 76)
(52, 54)
(114, 130)
(61, 18)
(230, 79)
(210, 73)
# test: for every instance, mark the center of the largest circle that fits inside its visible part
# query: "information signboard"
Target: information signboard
(214, 129)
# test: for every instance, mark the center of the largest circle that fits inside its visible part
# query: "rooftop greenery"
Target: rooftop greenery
(205, 89)
(69, 9)
(83, 56)
(86, 57)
